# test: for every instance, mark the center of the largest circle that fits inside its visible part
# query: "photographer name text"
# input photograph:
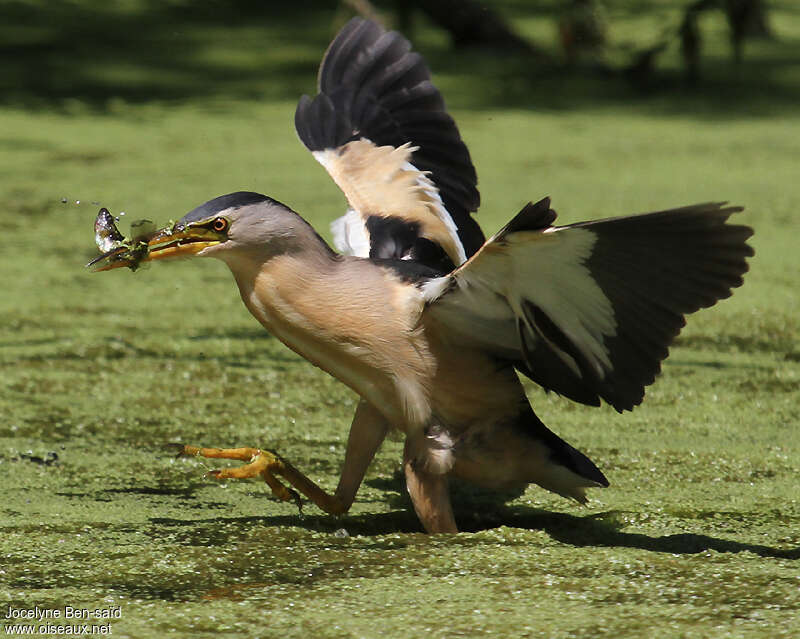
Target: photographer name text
(71, 620)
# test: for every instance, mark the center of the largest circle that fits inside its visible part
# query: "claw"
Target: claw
(178, 449)
(297, 501)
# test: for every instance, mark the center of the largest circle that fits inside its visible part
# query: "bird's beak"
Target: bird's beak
(168, 242)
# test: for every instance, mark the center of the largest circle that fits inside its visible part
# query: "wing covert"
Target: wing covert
(589, 310)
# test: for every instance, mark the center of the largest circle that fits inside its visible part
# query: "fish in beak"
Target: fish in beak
(147, 243)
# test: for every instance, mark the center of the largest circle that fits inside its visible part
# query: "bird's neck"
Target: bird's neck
(280, 289)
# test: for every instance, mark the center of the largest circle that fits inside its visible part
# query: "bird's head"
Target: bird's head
(231, 226)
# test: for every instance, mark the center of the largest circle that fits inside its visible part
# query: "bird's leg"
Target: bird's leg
(366, 434)
(429, 494)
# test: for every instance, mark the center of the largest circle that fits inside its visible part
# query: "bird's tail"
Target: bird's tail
(566, 470)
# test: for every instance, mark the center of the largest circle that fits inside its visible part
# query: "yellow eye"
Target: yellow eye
(220, 225)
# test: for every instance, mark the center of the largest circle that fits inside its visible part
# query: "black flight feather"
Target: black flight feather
(372, 85)
(653, 269)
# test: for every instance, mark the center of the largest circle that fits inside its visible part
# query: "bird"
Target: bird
(430, 323)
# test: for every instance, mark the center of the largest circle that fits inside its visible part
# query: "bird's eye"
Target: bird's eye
(220, 225)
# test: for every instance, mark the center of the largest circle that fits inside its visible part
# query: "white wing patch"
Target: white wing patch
(559, 283)
(589, 310)
(350, 236)
(381, 181)
(484, 299)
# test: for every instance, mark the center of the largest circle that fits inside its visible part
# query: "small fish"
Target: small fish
(115, 247)
(106, 234)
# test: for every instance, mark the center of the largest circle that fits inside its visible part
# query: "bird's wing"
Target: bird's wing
(379, 127)
(589, 310)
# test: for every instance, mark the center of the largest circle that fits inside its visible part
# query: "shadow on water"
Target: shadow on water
(93, 52)
(599, 530)
(476, 510)
(221, 530)
(603, 530)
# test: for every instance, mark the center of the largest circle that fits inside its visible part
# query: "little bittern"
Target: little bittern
(428, 322)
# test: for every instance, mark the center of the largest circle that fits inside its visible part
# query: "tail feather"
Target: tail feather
(570, 471)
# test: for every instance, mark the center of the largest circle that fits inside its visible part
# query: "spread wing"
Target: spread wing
(589, 310)
(380, 128)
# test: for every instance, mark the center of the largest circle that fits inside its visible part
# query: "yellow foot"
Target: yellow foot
(261, 463)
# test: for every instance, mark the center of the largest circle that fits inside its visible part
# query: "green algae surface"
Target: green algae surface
(698, 535)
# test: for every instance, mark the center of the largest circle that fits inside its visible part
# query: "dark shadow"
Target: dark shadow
(218, 530)
(154, 490)
(677, 361)
(476, 510)
(472, 503)
(757, 89)
(115, 348)
(106, 494)
(50, 459)
(29, 342)
(58, 52)
(601, 530)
